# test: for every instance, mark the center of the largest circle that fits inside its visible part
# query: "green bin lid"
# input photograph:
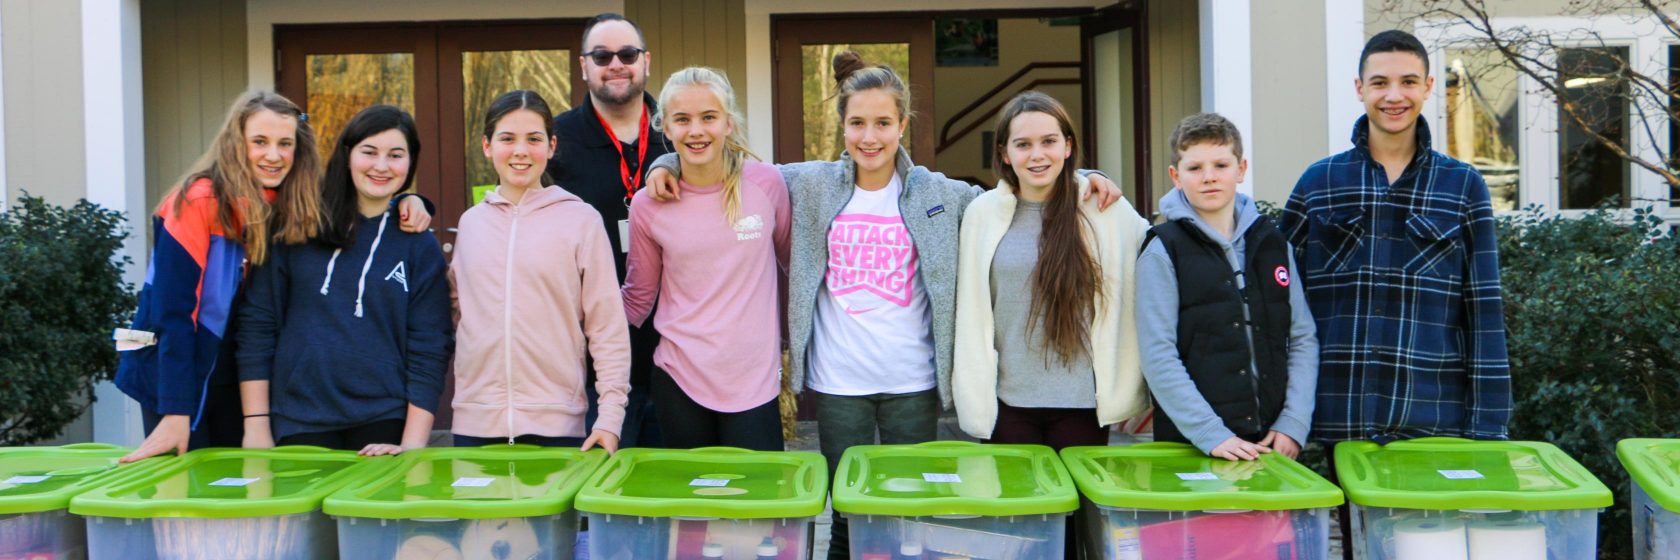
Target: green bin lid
(1441, 473)
(1179, 477)
(716, 482)
(226, 483)
(34, 479)
(953, 478)
(1655, 465)
(491, 482)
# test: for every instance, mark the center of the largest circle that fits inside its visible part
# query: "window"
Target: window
(1482, 120)
(1594, 104)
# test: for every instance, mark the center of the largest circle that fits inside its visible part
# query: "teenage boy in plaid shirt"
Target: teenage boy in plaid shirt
(1396, 247)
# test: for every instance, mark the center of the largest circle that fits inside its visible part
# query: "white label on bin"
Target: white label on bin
(713, 482)
(1197, 476)
(20, 479)
(941, 477)
(472, 482)
(1461, 475)
(234, 482)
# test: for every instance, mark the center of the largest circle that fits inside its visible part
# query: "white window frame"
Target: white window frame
(1538, 173)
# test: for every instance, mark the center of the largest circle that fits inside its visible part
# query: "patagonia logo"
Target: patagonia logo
(1281, 275)
(400, 275)
(937, 210)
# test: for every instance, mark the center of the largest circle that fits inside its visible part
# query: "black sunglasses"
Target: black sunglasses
(626, 55)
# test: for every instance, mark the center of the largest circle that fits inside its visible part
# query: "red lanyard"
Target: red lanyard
(631, 182)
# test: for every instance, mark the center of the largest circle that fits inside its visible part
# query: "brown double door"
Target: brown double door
(445, 74)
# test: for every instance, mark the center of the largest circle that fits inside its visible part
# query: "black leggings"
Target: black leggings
(685, 424)
(352, 438)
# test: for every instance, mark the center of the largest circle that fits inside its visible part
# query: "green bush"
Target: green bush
(1592, 308)
(61, 293)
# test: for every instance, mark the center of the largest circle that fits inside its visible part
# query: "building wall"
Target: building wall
(1175, 83)
(684, 33)
(193, 59)
(41, 41)
(1289, 93)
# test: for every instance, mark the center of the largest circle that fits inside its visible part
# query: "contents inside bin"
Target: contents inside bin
(1656, 531)
(46, 535)
(534, 538)
(1402, 534)
(302, 536)
(1125, 534)
(615, 537)
(879, 537)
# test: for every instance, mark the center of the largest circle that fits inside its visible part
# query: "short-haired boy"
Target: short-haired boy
(1228, 344)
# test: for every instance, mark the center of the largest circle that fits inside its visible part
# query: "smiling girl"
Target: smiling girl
(343, 341)
(536, 295)
(714, 263)
(1046, 340)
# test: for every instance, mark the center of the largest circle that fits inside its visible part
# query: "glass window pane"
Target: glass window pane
(824, 139)
(1673, 123)
(1482, 125)
(1590, 173)
(487, 74)
(341, 85)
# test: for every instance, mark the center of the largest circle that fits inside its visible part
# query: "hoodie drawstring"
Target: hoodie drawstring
(361, 283)
(330, 263)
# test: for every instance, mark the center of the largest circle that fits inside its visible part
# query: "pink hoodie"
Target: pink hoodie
(536, 294)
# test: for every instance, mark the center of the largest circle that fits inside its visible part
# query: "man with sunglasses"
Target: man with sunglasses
(605, 146)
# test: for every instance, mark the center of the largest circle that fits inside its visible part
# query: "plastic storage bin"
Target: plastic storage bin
(499, 501)
(1654, 465)
(1168, 500)
(714, 502)
(251, 504)
(954, 499)
(1455, 499)
(36, 484)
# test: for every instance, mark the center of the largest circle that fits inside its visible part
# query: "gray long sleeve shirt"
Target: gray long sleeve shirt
(1031, 375)
(1157, 318)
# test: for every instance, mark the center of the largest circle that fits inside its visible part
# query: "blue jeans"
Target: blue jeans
(640, 429)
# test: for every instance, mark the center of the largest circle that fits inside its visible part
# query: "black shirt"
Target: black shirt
(587, 164)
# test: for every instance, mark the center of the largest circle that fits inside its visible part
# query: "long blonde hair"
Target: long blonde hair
(735, 152)
(240, 207)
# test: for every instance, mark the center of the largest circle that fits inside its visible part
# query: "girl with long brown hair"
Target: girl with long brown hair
(1046, 345)
(258, 182)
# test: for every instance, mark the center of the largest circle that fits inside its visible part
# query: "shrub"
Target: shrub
(61, 293)
(1592, 312)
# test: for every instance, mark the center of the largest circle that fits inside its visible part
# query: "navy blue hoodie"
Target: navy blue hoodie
(348, 336)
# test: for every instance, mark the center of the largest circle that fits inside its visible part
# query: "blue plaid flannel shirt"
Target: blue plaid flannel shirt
(1403, 280)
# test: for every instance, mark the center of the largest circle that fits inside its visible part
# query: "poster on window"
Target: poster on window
(966, 42)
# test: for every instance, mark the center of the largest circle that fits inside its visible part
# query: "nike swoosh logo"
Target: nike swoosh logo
(850, 311)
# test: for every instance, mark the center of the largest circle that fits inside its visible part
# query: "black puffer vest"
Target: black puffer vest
(1211, 337)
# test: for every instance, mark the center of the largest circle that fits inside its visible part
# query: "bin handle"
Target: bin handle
(852, 464)
(93, 446)
(1357, 466)
(722, 449)
(948, 443)
(1047, 473)
(611, 473)
(1558, 457)
(808, 478)
(300, 449)
(1092, 468)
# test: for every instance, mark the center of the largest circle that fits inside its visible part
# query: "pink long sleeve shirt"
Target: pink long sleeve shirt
(716, 283)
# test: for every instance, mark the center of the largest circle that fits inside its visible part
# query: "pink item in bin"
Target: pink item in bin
(1250, 535)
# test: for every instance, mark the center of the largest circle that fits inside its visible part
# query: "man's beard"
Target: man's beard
(603, 92)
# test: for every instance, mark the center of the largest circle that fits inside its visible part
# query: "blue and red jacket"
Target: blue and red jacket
(191, 285)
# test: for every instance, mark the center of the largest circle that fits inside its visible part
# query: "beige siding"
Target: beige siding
(1175, 83)
(683, 33)
(193, 67)
(42, 45)
(1289, 94)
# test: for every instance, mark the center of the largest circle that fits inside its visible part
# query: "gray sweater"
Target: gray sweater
(1029, 374)
(1157, 317)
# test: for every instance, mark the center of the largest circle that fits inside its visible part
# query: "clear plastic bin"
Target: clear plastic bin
(36, 485)
(249, 504)
(496, 501)
(1169, 500)
(705, 503)
(953, 499)
(1451, 499)
(1654, 466)
(302, 536)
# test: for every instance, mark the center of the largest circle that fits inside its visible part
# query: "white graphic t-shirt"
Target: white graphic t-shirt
(873, 331)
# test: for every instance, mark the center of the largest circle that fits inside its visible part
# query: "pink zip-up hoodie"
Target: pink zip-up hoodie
(536, 294)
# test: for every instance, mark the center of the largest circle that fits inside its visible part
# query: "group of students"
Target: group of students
(1037, 309)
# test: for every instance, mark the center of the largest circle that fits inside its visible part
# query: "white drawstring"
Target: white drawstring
(361, 284)
(330, 263)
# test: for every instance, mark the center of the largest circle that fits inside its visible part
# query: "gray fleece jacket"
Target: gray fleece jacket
(932, 206)
(1157, 318)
